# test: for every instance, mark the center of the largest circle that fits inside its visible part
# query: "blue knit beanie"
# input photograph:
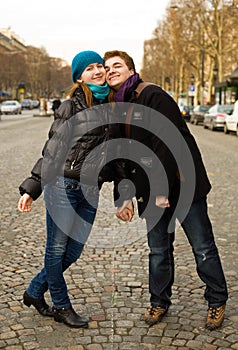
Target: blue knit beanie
(82, 60)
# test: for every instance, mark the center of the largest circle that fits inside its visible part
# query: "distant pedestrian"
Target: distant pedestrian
(55, 105)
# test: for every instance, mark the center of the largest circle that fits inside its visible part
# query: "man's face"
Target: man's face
(117, 72)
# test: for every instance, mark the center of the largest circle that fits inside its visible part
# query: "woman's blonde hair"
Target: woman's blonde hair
(87, 92)
(111, 95)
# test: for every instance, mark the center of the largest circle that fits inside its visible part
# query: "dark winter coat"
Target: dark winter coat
(169, 163)
(78, 147)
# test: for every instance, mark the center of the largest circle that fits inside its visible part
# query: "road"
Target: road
(17, 117)
(110, 281)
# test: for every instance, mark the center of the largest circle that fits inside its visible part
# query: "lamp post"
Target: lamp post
(202, 77)
(191, 91)
(215, 74)
(167, 83)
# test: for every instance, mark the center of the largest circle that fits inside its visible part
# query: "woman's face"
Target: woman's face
(94, 74)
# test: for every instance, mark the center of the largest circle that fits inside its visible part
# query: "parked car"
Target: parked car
(27, 104)
(231, 122)
(35, 103)
(215, 117)
(185, 111)
(11, 107)
(197, 114)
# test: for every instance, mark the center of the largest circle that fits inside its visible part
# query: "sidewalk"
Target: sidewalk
(109, 282)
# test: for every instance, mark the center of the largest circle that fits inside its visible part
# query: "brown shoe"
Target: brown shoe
(154, 314)
(215, 317)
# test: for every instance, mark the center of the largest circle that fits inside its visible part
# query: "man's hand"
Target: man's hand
(126, 211)
(162, 202)
(25, 202)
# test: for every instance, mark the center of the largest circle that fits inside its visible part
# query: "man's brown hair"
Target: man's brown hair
(123, 55)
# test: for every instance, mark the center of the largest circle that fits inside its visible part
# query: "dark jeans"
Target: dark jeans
(69, 219)
(198, 230)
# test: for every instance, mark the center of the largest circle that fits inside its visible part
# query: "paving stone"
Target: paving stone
(109, 282)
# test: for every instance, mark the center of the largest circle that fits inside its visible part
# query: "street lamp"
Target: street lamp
(167, 83)
(191, 90)
(173, 5)
(215, 74)
(202, 76)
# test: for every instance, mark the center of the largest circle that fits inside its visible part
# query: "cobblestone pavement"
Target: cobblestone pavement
(110, 280)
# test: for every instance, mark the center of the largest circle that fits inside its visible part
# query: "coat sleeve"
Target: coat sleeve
(122, 189)
(116, 170)
(33, 185)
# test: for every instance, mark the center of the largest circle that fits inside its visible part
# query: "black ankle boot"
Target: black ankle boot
(39, 304)
(70, 317)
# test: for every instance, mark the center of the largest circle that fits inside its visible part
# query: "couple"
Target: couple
(160, 172)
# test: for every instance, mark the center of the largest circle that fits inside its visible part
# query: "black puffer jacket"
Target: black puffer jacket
(82, 145)
(168, 161)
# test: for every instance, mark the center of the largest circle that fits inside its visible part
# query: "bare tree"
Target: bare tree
(39, 74)
(197, 39)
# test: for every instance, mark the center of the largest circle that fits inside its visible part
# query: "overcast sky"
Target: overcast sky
(66, 27)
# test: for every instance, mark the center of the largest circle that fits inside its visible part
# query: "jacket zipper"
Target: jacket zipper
(75, 159)
(72, 164)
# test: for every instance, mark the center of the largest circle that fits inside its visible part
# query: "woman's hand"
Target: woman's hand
(25, 202)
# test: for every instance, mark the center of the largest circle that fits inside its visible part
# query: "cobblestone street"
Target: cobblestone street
(109, 282)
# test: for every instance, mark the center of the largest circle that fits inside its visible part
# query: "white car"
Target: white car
(11, 107)
(214, 118)
(231, 122)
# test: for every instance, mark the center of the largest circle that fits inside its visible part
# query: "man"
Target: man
(171, 183)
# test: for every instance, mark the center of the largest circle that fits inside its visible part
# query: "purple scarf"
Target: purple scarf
(120, 95)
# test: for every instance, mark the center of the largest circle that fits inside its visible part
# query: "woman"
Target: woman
(71, 198)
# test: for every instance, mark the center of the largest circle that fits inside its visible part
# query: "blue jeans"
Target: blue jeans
(69, 219)
(198, 230)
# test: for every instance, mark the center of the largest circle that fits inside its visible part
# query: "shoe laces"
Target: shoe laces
(213, 312)
(153, 310)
